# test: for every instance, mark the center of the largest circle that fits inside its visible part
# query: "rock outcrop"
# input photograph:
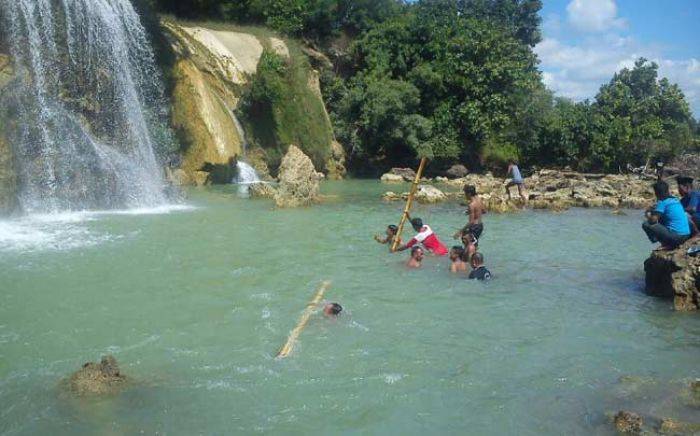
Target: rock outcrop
(675, 274)
(298, 180)
(8, 181)
(428, 194)
(457, 171)
(97, 378)
(628, 422)
(261, 190)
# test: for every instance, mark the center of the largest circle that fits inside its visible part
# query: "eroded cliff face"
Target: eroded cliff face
(675, 274)
(210, 74)
(8, 183)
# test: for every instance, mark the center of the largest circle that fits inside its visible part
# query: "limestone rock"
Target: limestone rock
(6, 70)
(97, 378)
(457, 171)
(335, 167)
(261, 190)
(392, 178)
(406, 173)
(429, 194)
(392, 196)
(672, 427)
(628, 422)
(298, 180)
(177, 177)
(257, 158)
(675, 274)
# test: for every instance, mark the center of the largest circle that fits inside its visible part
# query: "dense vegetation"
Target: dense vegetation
(456, 80)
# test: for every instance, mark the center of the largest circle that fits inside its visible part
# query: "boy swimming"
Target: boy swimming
(416, 259)
(456, 255)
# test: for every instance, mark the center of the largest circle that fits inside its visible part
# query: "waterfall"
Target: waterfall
(90, 107)
(246, 174)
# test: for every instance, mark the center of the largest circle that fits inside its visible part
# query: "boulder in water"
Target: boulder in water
(406, 173)
(98, 378)
(298, 180)
(457, 171)
(628, 422)
(392, 178)
(429, 194)
(261, 190)
(675, 274)
(673, 427)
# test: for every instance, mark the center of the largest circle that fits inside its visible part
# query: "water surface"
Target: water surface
(194, 302)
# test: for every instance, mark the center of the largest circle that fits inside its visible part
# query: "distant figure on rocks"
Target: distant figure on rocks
(456, 256)
(690, 200)
(516, 179)
(332, 309)
(425, 237)
(475, 210)
(479, 271)
(416, 259)
(391, 234)
(666, 222)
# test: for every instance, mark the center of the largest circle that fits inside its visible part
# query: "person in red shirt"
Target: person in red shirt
(426, 237)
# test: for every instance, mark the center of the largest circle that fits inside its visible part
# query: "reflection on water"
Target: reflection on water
(195, 305)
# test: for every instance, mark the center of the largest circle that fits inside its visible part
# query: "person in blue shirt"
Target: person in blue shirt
(666, 222)
(690, 200)
(516, 180)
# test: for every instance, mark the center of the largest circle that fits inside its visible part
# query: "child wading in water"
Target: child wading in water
(456, 256)
(391, 231)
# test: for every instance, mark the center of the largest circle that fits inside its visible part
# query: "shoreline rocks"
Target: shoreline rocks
(675, 274)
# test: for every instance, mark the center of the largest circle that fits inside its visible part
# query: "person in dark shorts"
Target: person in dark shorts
(667, 222)
(479, 271)
(475, 210)
(516, 179)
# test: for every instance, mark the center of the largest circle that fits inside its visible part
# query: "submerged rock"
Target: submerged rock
(628, 422)
(298, 180)
(262, 190)
(675, 274)
(98, 378)
(673, 427)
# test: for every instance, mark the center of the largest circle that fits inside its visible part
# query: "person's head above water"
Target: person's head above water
(417, 253)
(477, 260)
(470, 190)
(661, 190)
(456, 253)
(332, 309)
(417, 224)
(685, 185)
(391, 230)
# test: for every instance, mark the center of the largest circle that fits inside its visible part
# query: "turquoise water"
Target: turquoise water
(194, 303)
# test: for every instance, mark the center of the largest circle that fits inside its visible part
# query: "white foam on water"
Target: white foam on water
(67, 230)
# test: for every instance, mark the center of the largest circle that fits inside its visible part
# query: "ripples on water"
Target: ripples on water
(196, 304)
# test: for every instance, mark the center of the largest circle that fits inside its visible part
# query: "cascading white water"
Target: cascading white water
(246, 174)
(90, 107)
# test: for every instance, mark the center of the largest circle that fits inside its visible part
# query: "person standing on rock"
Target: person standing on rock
(516, 179)
(475, 210)
(690, 199)
(666, 222)
(426, 237)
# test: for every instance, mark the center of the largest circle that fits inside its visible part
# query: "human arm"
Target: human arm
(407, 245)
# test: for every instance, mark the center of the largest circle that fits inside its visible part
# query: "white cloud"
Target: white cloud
(594, 15)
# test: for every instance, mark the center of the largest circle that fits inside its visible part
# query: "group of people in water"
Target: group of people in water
(672, 221)
(461, 256)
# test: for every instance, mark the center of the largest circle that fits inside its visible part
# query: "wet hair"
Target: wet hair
(393, 228)
(415, 248)
(684, 181)
(336, 308)
(661, 189)
(459, 250)
(417, 223)
(478, 258)
(470, 189)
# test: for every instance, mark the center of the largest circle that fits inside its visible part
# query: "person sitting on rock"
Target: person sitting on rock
(690, 200)
(391, 234)
(416, 259)
(475, 210)
(471, 245)
(666, 222)
(516, 179)
(456, 256)
(479, 271)
(332, 310)
(425, 237)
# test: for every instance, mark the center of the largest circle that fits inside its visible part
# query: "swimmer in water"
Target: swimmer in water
(471, 244)
(416, 259)
(456, 255)
(479, 271)
(391, 231)
(332, 309)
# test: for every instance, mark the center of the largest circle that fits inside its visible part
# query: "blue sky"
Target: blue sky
(586, 41)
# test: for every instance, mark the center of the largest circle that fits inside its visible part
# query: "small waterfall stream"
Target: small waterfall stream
(90, 109)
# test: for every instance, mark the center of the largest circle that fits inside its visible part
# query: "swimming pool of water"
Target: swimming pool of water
(194, 302)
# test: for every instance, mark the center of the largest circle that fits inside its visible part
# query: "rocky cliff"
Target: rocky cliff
(675, 274)
(7, 173)
(212, 70)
